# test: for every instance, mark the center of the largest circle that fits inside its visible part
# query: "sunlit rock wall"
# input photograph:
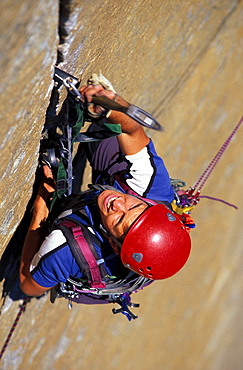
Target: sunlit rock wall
(181, 61)
(28, 43)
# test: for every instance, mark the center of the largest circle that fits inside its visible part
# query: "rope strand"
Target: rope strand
(21, 310)
(219, 200)
(200, 183)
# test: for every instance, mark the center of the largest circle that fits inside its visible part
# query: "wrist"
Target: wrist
(115, 116)
(40, 214)
(44, 195)
(121, 101)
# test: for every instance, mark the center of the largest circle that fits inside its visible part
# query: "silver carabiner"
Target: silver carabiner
(67, 82)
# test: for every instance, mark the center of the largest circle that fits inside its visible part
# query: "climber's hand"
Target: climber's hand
(88, 91)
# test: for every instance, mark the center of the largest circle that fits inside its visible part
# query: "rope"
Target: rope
(200, 183)
(218, 200)
(21, 310)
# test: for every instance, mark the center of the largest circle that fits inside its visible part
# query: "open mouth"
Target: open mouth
(108, 201)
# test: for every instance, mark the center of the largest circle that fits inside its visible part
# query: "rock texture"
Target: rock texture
(29, 37)
(181, 61)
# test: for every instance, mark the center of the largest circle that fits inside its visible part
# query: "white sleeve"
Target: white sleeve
(141, 170)
(52, 241)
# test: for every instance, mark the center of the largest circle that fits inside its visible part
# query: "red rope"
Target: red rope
(21, 310)
(200, 183)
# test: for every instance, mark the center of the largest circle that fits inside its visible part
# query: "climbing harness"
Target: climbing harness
(21, 310)
(98, 286)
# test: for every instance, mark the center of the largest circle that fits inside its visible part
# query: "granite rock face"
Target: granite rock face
(182, 62)
(28, 44)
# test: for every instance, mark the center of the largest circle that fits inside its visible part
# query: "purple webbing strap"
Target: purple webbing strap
(215, 160)
(218, 200)
(88, 255)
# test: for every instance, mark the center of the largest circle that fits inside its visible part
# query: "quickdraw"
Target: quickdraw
(125, 303)
(185, 200)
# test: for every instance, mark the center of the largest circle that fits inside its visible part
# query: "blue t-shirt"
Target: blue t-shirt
(146, 175)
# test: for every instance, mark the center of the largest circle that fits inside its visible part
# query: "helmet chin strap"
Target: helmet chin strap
(109, 235)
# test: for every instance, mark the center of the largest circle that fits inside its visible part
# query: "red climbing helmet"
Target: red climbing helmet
(158, 244)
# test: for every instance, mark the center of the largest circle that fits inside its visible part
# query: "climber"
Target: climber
(127, 213)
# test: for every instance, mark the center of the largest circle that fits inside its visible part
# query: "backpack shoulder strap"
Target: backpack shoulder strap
(83, 251)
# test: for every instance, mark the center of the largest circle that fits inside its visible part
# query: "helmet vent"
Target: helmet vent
(149, 275)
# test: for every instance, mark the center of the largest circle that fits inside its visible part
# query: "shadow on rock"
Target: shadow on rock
(10, 260)
(9, 263)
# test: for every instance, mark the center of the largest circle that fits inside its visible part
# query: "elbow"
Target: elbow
(30, 287)
(25, 286)
(25, 289)
(23, 282)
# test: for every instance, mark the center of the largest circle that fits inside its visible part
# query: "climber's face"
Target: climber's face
(118, 211)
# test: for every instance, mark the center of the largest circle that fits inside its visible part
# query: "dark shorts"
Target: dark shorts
(105, 159)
